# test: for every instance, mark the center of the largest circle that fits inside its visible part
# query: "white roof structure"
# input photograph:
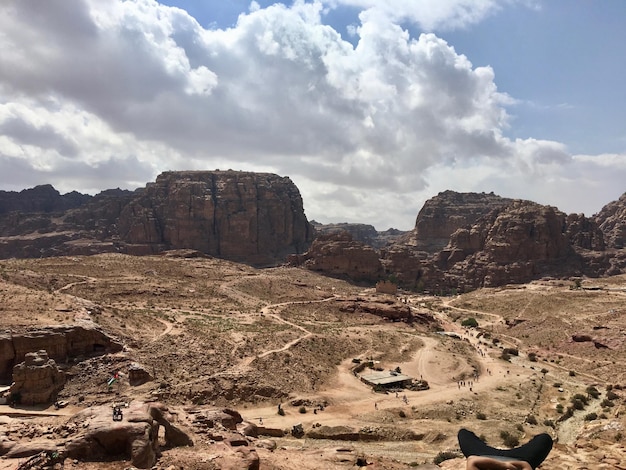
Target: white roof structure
(386, 377)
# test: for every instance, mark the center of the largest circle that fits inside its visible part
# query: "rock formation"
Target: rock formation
(59, 343)
(465, 241)
(612, 221)
(255, 218)
(337, 254)
(135, 436)
(443, 214)
(363, 233)
(42, 198)
(250, 217)
(36, 380)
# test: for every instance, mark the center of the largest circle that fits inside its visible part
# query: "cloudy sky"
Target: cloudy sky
(370, 107)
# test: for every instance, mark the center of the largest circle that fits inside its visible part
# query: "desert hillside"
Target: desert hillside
(210, 335)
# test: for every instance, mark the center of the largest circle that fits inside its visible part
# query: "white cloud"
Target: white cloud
(367, 131)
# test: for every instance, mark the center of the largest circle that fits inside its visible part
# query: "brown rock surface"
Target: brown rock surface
(59, 342)
(612, 221)
(443, 214)
(252, 217)
(337, 254)
(37, 379)
(136, 435)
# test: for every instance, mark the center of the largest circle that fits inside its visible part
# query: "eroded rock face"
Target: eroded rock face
(242, 216)
(447, 212)
(59, 343)
(612, 221)
(337, 254)
(135, 436)
(37, 380)
(255, 218)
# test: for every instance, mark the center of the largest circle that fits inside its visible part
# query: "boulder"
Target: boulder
(37, 380)
(134, 437)
(138, 375)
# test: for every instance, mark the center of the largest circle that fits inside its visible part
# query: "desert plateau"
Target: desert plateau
(213, 334)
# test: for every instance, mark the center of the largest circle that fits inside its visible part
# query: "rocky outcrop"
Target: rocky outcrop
(256, 218)
(36, 380)
(251, 217)
(447, 212)
(337, 254)
(363, 233)
(59, 342)
(42, 198)
(612, 222)
(136, 435)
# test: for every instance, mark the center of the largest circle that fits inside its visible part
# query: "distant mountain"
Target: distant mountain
(464, 241)
(460, 241)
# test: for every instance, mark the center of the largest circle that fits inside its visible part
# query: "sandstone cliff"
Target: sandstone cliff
(612, 221)
(250, 217)
(337, 254)
(42, 198)
(363, 233)
(448, 211)
(256, 218)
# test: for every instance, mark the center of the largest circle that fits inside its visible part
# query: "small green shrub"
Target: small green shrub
(302, 409)
(470, 322)
(591, 417)
(481, 416)
(445, 455)
(572, 373)
(531, 420)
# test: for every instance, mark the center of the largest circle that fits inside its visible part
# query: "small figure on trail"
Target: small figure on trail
(375, 405)
(260, 420)
(480, 456)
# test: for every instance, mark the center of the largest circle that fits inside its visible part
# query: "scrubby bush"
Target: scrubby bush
(611, 395)
(532, 357)
(531, 420)
(592, 391)
(481, 416)
(549, 423)
(572, 373)
(606, 403)
(470, 322)
(445, 455)
(559, 408)
(591, 417)
(509, 440)
(302, 409)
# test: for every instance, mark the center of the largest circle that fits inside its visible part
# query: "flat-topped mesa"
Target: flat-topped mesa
(256, 218)
(443, 214)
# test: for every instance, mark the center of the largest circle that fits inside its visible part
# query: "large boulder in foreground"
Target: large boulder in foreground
(136, 435)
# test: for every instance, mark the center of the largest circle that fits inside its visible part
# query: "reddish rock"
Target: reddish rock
(612, 222)
(135, 436)
(59, 342)
(447, 212)
(37, 380)
(242, 216)
(337, 254)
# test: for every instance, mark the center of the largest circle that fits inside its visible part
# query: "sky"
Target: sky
(370, 107)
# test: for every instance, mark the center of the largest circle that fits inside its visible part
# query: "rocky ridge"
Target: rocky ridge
(466, 241)
(256, 218)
